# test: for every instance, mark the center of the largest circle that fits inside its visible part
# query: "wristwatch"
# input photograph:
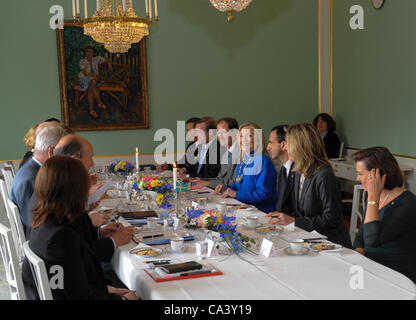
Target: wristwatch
(373, 202)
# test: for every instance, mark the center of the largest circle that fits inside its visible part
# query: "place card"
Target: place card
(267, 249)
(212, 250)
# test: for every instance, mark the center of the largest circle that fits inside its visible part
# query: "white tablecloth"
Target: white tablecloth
(311, 276)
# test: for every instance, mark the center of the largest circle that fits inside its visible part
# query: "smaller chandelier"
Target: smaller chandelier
(230, 6)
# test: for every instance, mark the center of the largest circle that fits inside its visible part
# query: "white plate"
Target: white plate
(289, 251)
(245, 226)
(335, 247)
(157, 250)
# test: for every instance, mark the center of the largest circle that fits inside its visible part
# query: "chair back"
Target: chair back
(8, 178)
(4, 196)
(357, 210)
(341, 149)
(11, 264)
(39, 273)
(17, 229)
(10, 165)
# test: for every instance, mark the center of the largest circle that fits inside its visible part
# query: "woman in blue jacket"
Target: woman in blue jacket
(256, 175)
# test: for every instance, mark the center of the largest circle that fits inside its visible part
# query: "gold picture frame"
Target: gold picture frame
(121, 82)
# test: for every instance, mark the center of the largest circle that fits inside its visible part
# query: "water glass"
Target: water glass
(230, 211)
(201, 249)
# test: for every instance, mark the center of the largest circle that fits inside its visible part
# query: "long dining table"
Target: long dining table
(344, 274)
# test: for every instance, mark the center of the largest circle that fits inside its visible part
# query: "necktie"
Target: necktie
(230, 157)
(201, 159)
(282, 184)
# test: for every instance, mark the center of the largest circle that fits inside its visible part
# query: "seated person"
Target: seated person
(48, 135)
(326, 127)
(388, 232)
(189, 125)
(256, 175)
(227, 130)
(203, 158)
(81, 149)
(56, 238)
(316, 200)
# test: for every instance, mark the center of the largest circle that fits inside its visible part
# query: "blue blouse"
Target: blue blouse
(258, 186)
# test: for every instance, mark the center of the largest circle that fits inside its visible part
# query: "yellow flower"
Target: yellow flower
(154, 183)
(159, 199)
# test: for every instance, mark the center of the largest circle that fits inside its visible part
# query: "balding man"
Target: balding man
(79, 148)
(23, 183)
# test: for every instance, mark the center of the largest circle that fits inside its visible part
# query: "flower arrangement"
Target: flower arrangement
(221, 223)
(156, 184)
(122, 167)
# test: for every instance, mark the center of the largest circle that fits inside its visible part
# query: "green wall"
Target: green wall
(262, 68)
(374, 75)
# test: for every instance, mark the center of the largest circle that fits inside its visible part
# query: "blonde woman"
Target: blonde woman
(29, 139)
(316, 201)
(256, 175)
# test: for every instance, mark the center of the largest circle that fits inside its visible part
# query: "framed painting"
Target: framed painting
(101, 90)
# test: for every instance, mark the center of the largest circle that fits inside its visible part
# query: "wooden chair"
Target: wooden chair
(357, 210)
(11, 264)
(116, 82)
(40, 274)
(8, 178)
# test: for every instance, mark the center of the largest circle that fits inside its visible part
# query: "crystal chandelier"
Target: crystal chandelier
(230, 6)
(115, 23)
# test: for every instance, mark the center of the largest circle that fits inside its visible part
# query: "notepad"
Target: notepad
(95, 197)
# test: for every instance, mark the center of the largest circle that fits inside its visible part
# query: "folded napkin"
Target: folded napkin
(290, 227)
(165, 241)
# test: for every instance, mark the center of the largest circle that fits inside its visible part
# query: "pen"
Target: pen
(153, 236)
(194, 273)
(158, 261)
(203, 192)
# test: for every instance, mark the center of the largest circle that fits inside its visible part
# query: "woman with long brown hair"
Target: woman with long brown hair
(316, 200)
(256, 176)
(61, 188)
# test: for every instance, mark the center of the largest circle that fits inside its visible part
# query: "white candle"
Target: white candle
(175, 172)
(98, 5)
(150, 10)
(156, 9)
(137, 160)
(124, 5)
(147, 7)
(73, 9)
(78, 12)
(86, 9)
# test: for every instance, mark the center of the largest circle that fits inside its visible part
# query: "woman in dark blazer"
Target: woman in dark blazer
(61, 188)
(326, 127)
(316, 200)
(388, 232)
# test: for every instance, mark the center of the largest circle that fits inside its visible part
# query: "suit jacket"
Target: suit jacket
(229, 163)
(22, 189)
(285, 189)
(332, 144)
(63, 245)
(211, 163)
(319, 207)
(28, 155)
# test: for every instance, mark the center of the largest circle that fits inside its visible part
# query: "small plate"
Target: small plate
(326, 247)
(146, 252)
(268, 228)
(184, 249)
(245, 226)
(289, 251)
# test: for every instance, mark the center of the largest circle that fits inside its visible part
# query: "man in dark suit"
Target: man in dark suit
(285, 178)
(48, 135)
(203, 159)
